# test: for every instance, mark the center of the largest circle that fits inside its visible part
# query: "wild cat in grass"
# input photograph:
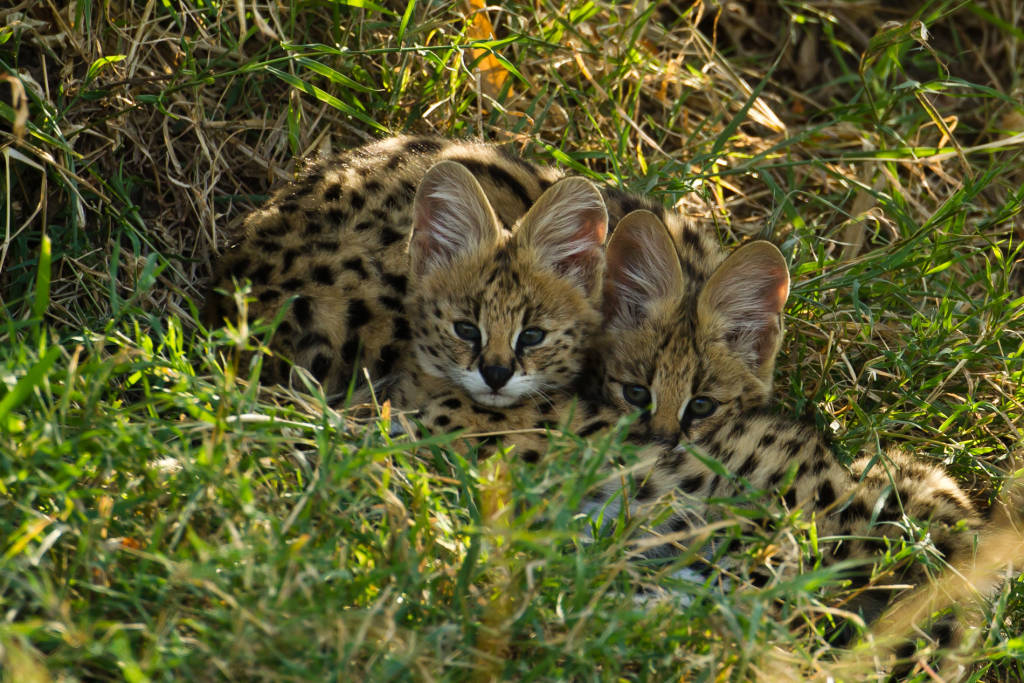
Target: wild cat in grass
(717, 440)
(471, 275)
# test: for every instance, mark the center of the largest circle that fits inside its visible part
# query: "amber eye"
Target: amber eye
(531, 336)
(702, 406)
(468, 331)
(637, 394)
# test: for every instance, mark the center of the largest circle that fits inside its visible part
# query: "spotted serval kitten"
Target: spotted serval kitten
(717, 440)
(492, 264)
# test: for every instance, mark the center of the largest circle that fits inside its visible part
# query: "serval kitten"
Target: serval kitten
(718, 441)
(427, 240)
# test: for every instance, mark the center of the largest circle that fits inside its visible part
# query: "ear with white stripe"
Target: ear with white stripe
(643, 268)
(565, 228)
(741, 305)
(451, 218)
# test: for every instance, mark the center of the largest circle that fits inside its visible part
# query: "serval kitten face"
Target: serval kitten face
(504, 315)
(688, 336)
(332, 254)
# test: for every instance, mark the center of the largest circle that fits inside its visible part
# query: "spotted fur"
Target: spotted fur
(360, 288)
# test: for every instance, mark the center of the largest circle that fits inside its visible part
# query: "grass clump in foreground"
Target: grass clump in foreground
(164, 516)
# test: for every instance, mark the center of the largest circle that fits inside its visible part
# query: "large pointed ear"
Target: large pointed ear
(451, 217)
(566, 228)
(643, 267)
(741, 305)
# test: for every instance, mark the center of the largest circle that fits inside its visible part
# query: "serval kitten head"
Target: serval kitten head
(681, 343)
(504, 315)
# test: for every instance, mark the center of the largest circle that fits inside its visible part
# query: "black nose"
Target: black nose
(495, 375)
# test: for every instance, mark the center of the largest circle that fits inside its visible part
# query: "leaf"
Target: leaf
(325, 97)
(43, 275)
(492, 69)
(26, 384)
(332, 75)
(98, 65)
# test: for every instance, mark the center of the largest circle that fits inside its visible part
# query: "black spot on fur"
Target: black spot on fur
(293, 284)
(593, 427)
(790, 498)
(333, 192)
(372, 186)
(951, 500)
(388, 358)
(261, 274)
(289, 260)
(452, 403)
(303, 310)
(692, 240)
(943, 633)
(531, 456)
(312, 228)
(748, 465)
(692, 484)
(493, 415)
(767, 440)
(349, 351)
(391, 302)
(358, 314)
(312, 339)
(826, 494)
(401, 330)
(337, 216)
(355, 264)
(362, 226)
(442, 421)
(679, 524)
(646, 491)
(275, 228)
(238, 268)
(853, 512)
(320, 367)
(323, 275)
(389, 236)
(268, 295)
(500, 177)
(396, 282)
(289, 207)
(357, 200)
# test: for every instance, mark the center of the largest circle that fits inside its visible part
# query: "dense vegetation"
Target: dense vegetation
(165, 516)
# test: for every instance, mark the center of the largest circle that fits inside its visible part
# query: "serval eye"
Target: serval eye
(702, 406)
(531, 336)
(467, 331)
(637, 394)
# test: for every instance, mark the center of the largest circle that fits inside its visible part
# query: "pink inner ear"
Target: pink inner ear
(585, 259)
(778, 292)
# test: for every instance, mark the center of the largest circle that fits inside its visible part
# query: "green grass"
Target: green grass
(165, 517)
